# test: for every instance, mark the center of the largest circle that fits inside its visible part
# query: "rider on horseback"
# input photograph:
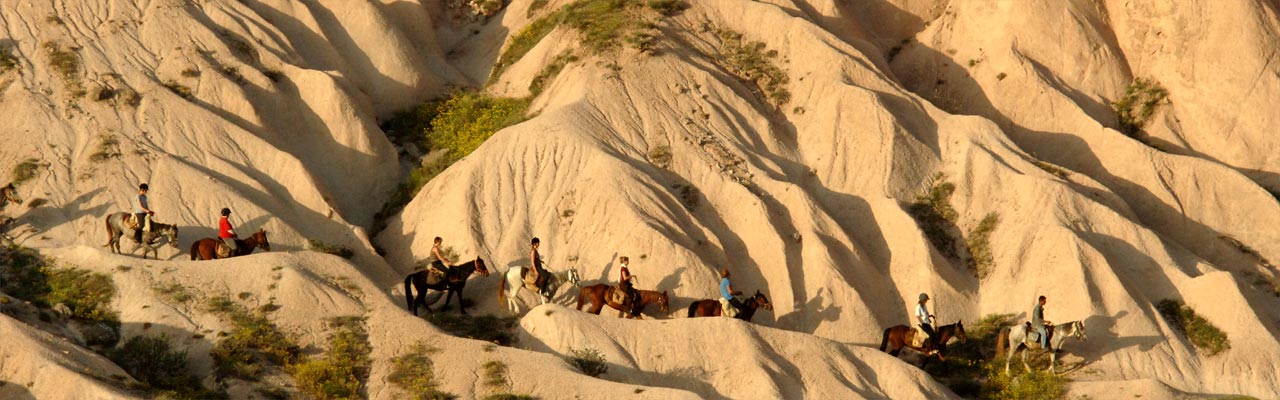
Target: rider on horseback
(624, 281)
(729, 304)
(926, 322)
(440, 264)
(1038, 323)
(536, 274)
(142, 213)
(225, 233)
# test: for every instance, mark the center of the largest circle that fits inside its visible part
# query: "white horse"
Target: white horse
(513, 281)
(1018, 334)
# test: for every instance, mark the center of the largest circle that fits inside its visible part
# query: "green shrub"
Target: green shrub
(485, 327)
(1052, 169)
(179, 89)
(174, 292)
(252, 340)
(191, 73)
(7, 60)
(967, 367)
(1028, 385)
(602, 24)
(23, 274)
(936, 217)
(108, 148)
(87, 293)
(344, 370)
(667, 7)
(523, 41)
(495, 374)
(25, 170)
(150, 360)
(590, 361)
(534, 7)
(660, 156)
(234, 75)
(550, 72)
(327, 248)
(414, 373)
(753, 62)
(1140, 101)
(981, 261)
(1206, 337)
(67, 64)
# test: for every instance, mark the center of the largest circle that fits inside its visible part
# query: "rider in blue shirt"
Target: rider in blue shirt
(728, 303)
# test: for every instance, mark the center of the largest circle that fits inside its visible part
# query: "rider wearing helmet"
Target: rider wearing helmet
(225, 232)
(926, 320)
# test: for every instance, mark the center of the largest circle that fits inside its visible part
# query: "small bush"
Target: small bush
(108, 148)
(253, 339)
(414, 373)
(22, 274)
(130, 97)
(523, 41)
(174, 292)
(327, 248)
(87, 293)
(933, 212)
(1001, 76)
(667, 7)
(1052, 169)
(590, 361)
(486, 327)
(343, 372)
(234, 75)
(191, 73)
(550, 71)
(689, 196)
(660, 156)
(25, 170)
(495, 374)
(7, 60)
(1206, 337)
(534, 7)
(178, 89)
(603, 25)
(1028, 385)
(754, 63)
(981, 261)
(1244, 248)
(1140, 100)
(67, 64)
(150, 360)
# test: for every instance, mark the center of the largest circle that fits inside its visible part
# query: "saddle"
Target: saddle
(729, 309)
(619, 295)
(919, 337)
(534, 285)
(1033, 336)
(436, 273)
(222, 250)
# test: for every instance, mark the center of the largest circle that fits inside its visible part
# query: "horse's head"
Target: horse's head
(170, 233)
(960, 332)
(573, 277)
(261, 238)
(663, 302)
(11, 193)
(480, 267)
(1077, 331)
(762, 301)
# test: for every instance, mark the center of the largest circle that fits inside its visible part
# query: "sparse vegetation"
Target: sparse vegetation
(87, 293)
(150, 360)
(590, 361)
(690, 196)
(549, 72)
(603, 25)
(486, 327)
(933, 212)
(897, 49)
(344, 370)
(103, 93)
(660, 156)
(972, 370)
(535, 6)
(328, 248)
(234, 75)
(754, 62)
(7, 60)
(173, 292)
(667, 7)
(1035, 384)
(1001, 76)
(191, 73)
(1206, 337)
(108, 148)
(130, 97)
(25, 170)
(67, 64)
(981, 261)
(179, 89)
(1140, 101)
(495, 374)
(414, 373)
(1244, 248)
(1052, 169)
(252, 341)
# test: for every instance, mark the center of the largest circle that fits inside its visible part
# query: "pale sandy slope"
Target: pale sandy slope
(820, 222)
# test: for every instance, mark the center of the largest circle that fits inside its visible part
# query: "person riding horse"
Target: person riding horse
(1038, 322)
(439, 266)
(537, 274)
(225, 231)
(625, 287)
(728, 303)
(926, 322)
(142, 213)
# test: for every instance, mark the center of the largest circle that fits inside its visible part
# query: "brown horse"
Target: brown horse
(207, 248)
(116, 229)
(455, 278)
(602, 294)
(711, 308)
(8, 194)
(900, 336)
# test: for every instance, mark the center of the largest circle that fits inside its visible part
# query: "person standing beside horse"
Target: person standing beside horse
(728, 303)
(1038, 323)
(926, 322)
(142, 213)
(225, 231)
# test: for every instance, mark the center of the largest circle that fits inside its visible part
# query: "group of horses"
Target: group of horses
(454, 279)
(203, 249)
(900, 336)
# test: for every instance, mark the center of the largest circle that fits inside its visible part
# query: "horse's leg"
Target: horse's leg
(1053, 358)
(421, 299)
(1024, 359)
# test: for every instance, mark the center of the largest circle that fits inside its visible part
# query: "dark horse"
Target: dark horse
(455, 278)
(711, 308)
(116, 229)
(207, 248)
(601, 294)
(900, 336)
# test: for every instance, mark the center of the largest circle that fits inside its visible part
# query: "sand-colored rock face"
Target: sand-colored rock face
(271, 108)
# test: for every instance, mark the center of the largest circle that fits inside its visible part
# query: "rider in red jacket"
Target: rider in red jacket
(225, 232)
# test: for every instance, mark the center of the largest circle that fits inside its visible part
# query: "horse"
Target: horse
(8, 194)
(602, 294)
(455, 278)
(514, 278)
(899, 336)
(116, 229)
(206, 249)
(1073, 329)
(711, 308)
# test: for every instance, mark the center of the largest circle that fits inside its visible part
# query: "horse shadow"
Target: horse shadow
(70, 211)
(15, 391)
(1104, 340)
(796, 320)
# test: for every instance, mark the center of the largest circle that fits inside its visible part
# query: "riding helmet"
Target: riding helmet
(924, 297)
(226, 211)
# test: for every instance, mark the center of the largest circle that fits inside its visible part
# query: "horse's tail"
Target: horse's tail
(1002, 340)
(581, 296)
(502, 287)
(110, 234)
(693, 308)
(408, 293)
(884, 343)
(195, 247)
